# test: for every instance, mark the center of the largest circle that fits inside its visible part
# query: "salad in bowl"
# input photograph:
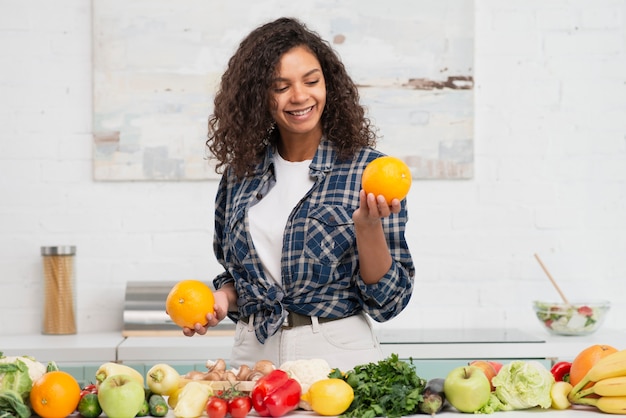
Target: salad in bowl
(571, 319)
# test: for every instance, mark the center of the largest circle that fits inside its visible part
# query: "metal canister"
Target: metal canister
(59, 314)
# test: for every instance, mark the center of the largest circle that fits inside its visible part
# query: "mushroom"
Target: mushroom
(244, 372)
(229, 376)
(216, 366)
(214, 376)
(264, 366)
(255, 375)
(195, 375)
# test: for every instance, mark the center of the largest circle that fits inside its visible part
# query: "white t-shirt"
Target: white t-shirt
(268, 218)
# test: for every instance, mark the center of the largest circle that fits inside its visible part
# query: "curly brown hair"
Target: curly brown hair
(239, 128)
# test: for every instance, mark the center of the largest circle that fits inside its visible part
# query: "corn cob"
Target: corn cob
(607, 404)
(613, 365)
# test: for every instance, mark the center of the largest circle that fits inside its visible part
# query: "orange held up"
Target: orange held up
(387, 176)
(189, 302)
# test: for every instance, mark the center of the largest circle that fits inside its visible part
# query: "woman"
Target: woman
(308, 256)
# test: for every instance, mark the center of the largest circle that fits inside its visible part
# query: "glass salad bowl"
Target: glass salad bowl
(579, 318)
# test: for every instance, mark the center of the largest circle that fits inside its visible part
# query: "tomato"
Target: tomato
(216, 407)
(91, 388)
(239, 406)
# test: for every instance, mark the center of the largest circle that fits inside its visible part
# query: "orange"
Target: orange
(55, 395)
(387, 176)
(586, 359)
(188, 303)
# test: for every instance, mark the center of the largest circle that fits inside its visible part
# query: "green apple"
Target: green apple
(467, 388)
(121, 396)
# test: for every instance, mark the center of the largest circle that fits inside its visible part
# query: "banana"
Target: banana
(610, 366)
(612, 404)
(613, 386)
(607, 404)
(613, 365)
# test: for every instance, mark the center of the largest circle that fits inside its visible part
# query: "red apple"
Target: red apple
(487, 368)
(467, 388)
(496, 365)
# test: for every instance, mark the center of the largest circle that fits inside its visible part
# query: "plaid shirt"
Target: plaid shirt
(320, 263)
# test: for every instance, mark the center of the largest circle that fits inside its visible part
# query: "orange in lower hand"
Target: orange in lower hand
(189, 302)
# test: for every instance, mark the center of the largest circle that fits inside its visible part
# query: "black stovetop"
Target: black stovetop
(456, 336)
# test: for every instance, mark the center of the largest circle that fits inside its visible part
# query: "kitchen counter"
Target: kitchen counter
(102, 347)
(76, 348)
(97, 348)
(532, 344)
(576, 412)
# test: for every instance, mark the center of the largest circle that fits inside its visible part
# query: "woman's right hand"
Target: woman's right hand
(220, 306)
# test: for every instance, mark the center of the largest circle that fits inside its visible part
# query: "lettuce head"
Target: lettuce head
(522, 385)
(18, 373)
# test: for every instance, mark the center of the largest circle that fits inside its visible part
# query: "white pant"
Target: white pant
(343, 343)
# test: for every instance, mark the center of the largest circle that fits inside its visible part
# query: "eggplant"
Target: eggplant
(434, 398)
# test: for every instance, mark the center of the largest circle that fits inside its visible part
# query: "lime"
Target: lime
(89, 407)
(329, 396)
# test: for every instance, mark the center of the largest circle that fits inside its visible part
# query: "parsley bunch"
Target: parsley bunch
(390, 388)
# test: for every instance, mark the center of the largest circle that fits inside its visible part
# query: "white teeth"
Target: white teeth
(301, 112)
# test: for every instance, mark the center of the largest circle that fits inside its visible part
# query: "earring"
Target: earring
(268, 133)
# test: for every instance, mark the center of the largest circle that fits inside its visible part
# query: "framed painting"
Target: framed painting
(157, 64)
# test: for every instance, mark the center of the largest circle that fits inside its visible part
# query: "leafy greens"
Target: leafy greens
(389, 388)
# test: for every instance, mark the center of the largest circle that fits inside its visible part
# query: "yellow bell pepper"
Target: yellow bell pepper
(192, 400)
(111, 369)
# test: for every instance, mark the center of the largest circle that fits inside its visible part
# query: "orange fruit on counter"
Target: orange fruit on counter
(388, 176)
(188, 303)
(585, 360)
(55, 395)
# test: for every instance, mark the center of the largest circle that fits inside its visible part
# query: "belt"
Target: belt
(295, 320)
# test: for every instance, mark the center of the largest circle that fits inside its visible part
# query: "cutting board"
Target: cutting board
(242, 385)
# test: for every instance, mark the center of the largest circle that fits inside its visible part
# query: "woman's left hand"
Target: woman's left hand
(373, 208)
(220, 307)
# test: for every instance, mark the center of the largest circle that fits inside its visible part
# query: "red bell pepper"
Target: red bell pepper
(275, 394)
(561, 370)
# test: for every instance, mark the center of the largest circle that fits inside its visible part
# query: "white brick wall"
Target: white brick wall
(550, 176)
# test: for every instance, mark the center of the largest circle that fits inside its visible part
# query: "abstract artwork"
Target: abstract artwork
(157, 64)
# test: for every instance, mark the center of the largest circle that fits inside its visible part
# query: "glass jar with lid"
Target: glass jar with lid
(59, 314)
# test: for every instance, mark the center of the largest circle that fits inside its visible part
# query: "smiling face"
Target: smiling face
(298, 94)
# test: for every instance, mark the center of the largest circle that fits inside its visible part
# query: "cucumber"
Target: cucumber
(434, 398)
(89, 407)
(145, 409)
(158, 406)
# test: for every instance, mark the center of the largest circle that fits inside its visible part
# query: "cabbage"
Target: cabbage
(19, 373)
(522, 385)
